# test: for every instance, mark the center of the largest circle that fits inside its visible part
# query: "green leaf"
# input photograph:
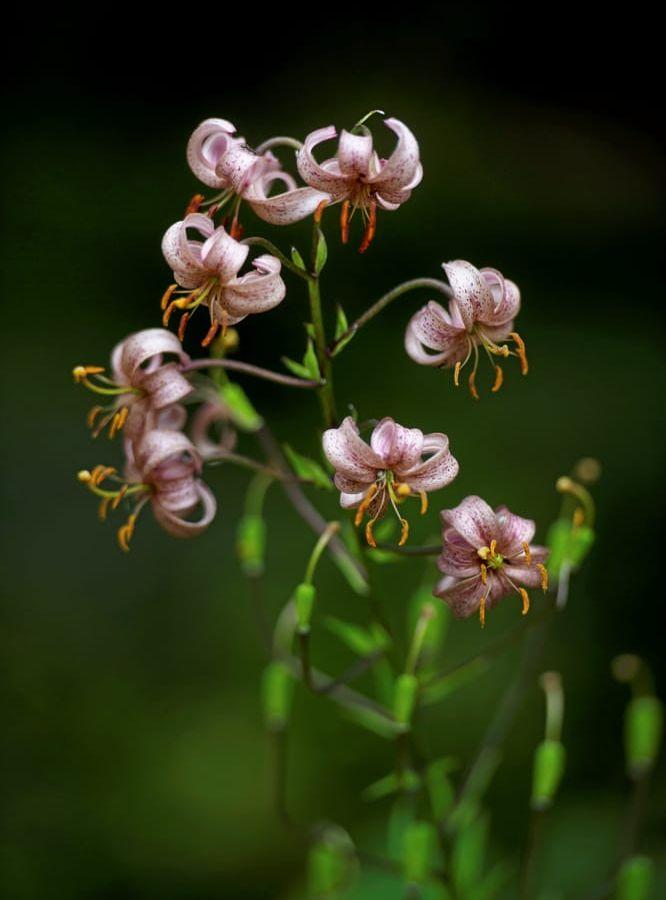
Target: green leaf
(244, 414)
(341, 324)
(358, 639)
(373, 720)
(304, 599)
(297, 259)
(448, 684)
(296, 368)
(310, 361)
(307, 468)
(440, 788)
(419, 843)
(568, 543)
(406, 690)
(635, 879)
(549, 760)
(322, 252)
(251, 543)
(332, 863)
(437, 627)
(468, 856)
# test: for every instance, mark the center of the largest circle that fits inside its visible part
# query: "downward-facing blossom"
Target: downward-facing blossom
(221, 159)
(480, 316)
(162, 469)
(358, 177)
(144, 387)
(207, 273)
(396, 464)
(486, 555)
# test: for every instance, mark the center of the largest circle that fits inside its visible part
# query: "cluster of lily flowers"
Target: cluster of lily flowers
(486, 553)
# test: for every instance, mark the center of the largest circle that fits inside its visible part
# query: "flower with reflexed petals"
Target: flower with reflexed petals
(162, 468)
(142, 388)
(222, 160)
(487, 555)
(481, 314)
(381, 475)
(358, 178)
(207, 272)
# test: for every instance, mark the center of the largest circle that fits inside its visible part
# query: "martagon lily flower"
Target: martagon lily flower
(222, 160)
(207, 273)
(381, 475)
(480, 315)
(162, 468)
(487, 555)
(143, 387)
(358, 178)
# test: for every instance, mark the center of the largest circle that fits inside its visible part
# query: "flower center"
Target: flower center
(385, 491)
(209, 292)
(490, 556)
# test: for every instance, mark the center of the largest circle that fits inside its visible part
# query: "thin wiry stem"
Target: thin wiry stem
(275, 251)
(235, 365)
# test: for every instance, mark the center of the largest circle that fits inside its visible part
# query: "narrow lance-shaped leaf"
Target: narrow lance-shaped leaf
(308, 468)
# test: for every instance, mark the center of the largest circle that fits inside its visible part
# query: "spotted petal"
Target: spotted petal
(257, 291)
(209, 142)
(470, 290)
(290, 206)
(403, 169)
(435, 472)
(464, 597)
(179, 527)
(349, 454)
(474, 520)
(397, 446)
(331, 180)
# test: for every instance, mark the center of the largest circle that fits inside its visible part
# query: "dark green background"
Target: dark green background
(134, 757)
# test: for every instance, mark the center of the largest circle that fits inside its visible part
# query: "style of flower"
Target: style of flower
(373, 477)
(358, 178)
(207, 273)
(222, 160)
(481, 313)
(487, 555)
(162, 468)
(143, 389)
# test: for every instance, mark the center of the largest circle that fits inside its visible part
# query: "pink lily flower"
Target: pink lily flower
(162, 468)
(358, 178)
(224, 161)
(487, 555)
(207, 272)
(373, 477)
(144, 389)
(481, 314)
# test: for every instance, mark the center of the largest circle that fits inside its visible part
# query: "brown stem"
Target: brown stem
(235, 365)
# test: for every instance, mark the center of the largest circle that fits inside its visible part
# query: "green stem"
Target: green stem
(325, 392)
(331, 529)
(275, 251)
(383, 302)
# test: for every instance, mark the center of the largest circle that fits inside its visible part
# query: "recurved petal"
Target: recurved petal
(458, 558)
(474, 520)
(183, 254)
(179, 527)
(464, 597)
(349, 454)
(290, 206)
(351, 485)
(211, 431)
(397, 446)
(354, 153)
(435, 472)
(158, 447)
(209, 141)
(506, 296)
(470, 290)
(402, 169)
(349, 501)
(223, 255)
(165, 386)
(136, 350)
(416, 352)
(514, 531)
(319, 176)
(433, 327)
(257, 291)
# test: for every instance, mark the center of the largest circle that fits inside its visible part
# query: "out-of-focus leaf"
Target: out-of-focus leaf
(296, 368)
(308, 468)
(406, 689)
(251, 543)
(304, 599)
(568, 543)
(643, 730)
(549, 761)
(373, 721)
(635, 879)
(437, 626)
(277, 690)
(360, 640)
(332, 863)
(440, 788)
(408, 781)
(442, 687)
(419, 844)
(310, 361)
(468, 856)
(243, 413)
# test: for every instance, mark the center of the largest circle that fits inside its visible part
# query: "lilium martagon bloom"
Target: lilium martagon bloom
(397, 464)
(480, 316)
(206, 274)
(486, 556)
(358, 178)
(161, 469)
(223, 161)
(144, 386)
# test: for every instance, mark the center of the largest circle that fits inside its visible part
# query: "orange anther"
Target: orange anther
(194, 204)
(456, 373)
(499, 378)
(472, 386)
(210, 334)
(166, 296)
(526, 600)
(182, 325)
(344, 222)
(522, 356)
(370, 228)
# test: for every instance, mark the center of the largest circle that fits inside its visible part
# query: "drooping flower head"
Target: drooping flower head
(397, 464)
(207, 273)
(487, 555)
(143, 386)
(162, 468)
(222, 160)
(356, 175)
(480, 316)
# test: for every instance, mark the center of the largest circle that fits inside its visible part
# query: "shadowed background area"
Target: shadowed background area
(134, 756)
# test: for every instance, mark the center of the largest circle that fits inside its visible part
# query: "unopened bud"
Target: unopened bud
(277, 689)
(635, 879)
(304, 598)
(418, 849)
(406, 688)
(643, 728)
(549, 760)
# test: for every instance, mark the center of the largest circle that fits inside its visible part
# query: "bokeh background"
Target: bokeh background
(134, 759)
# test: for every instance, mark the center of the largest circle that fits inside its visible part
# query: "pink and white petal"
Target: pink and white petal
(474, 521)
(458, 557)
(470, 290)
(320, 176)
(209, 445)
(396, 445)
(435, 472)
(139, 348)
(171, 418)
(350, 485)
(181, 258)
(464, 597)
(416, 352)
(354, 153)
(166, 386)
(350, 501)
(223, 255)
(182, 528)
(179, 494)
(288, 207)
(158, 447)
(432, 326)
(523, 575)
(386, 204)
(208, 142)
(349, 454)
(257, 291)
(513, 531)
(402, 167)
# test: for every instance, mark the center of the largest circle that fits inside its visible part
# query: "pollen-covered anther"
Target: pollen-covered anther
(402, 490)
(493, 547)
(484, 574)
(456, 373)
(118, 421)
(84, 476)
(117, 500)
(370, 228)
(92, 415)
(526, 600)
(369, 536)
(166, 296)
(527, 552)
(103, 508)
(482, 610)
(80, 373)
(214, 328)
(424, 502)
(520, 352)
(472, 386)
(125, 533)
(319, 211)
(344, 222)
(194, 204)
(182, 325)
(499, 378)
(483, 552)
(404, 533)
(544, 576)
(365, 503)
